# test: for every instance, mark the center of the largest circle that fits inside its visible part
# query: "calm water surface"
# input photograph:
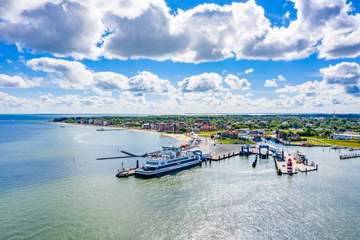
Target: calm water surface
(51, 187)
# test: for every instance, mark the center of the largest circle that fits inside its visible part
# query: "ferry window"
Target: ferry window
(151, 163)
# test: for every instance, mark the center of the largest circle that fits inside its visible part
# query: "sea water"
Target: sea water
(52, 187)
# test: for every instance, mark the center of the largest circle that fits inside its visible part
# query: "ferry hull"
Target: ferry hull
(152, 174)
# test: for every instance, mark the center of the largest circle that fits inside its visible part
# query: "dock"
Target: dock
(284, 163)
(292, 164)
(222, 156)
(245, 150)
(306, 168)
(282, 168)
(126, 173)
(128, 155)
(348, 156)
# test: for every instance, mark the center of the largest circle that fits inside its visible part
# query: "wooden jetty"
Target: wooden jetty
(338, 147)
(245, 150)
(128, 155)
(116, 157)
(223, 156)
(109, 129)
(348, 156)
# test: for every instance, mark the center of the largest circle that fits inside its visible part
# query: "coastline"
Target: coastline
(182, 138)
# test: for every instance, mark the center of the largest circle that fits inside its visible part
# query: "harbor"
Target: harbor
(208, 151)
(230, 190)
(179, 120)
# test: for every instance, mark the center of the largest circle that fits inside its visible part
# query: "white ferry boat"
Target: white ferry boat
(168, 160)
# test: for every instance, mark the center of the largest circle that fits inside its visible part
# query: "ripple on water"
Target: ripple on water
(56, 198)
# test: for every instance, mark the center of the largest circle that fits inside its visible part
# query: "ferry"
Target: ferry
(169, 159)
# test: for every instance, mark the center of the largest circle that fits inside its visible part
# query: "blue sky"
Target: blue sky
(163, 56)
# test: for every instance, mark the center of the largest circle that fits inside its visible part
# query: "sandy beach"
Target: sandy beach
(206, 145)
(181, 137)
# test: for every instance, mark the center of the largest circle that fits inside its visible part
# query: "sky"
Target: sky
(179, 56)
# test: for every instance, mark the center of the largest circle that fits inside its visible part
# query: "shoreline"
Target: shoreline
(182, 138)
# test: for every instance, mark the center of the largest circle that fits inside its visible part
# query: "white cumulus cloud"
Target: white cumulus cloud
(75, 75)
(274, 81)
(16, 81)
(345, 74)
(127, 29)
(202, 83)
(235, 82)
(9, 101)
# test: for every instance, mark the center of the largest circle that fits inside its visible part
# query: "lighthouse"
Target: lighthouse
(290, 166)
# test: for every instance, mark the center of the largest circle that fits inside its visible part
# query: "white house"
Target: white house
(345, 136)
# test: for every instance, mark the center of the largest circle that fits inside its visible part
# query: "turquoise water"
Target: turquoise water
(51, 187)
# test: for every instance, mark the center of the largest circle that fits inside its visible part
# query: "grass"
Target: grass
(208, 134)
(325, 141)
(234, 141)
(223, 140)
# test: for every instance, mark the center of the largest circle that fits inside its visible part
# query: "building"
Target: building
(106, 123)
(230, 134)
(290, 136)
(167, 127)
(180, 125)
(345, 136)
(207, 127)
(257, 132)
(154, 126)
(98, 122)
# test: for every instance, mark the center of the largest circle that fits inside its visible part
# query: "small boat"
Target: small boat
(125, 173)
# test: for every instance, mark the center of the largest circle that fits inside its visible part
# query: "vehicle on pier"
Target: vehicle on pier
(301, 158)
(168, 160)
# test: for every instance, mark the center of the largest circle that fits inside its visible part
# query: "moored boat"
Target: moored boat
(168, 160)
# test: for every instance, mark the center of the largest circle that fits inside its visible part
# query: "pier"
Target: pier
(292, 164)
(245, 150)
(223, 156)
(348, 156)
(128, 155)
(127, 172)
(284, 163)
